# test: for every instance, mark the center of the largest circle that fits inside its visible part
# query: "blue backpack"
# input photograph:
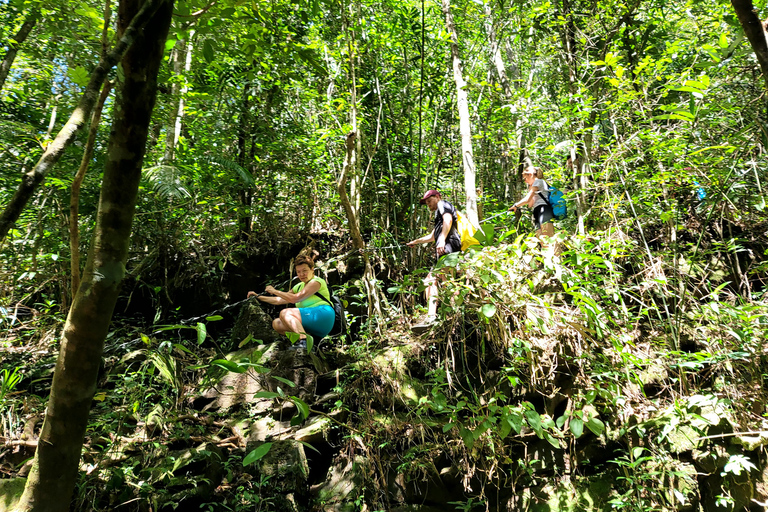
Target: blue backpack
(556, 202)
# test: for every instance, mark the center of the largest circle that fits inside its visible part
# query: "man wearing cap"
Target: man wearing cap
(447, 240)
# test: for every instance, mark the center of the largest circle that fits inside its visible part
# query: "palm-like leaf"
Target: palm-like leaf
(233, 167)
(166, 181)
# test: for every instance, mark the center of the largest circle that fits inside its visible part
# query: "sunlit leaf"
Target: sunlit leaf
(257, 454)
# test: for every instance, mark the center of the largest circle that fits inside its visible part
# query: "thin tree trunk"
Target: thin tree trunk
(82, 112)
(74, 200)
(579, 178)
(55, 468)
(755, 31)
(182, 63)
(462, 103)
(15, 43)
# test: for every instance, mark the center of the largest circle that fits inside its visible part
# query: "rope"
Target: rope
(189, 321)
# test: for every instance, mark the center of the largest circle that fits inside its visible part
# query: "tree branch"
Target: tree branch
(31, 180)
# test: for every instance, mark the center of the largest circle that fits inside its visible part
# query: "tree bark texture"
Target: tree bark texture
(15, 43)
(77, 120)
(55, 468)
(468, 159)
(755, 31)
(74, 198)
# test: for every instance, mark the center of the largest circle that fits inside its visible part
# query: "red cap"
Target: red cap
(427, 195)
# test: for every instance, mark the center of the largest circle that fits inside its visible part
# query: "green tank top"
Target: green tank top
(313, 300)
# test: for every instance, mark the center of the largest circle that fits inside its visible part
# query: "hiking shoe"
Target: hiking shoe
(299, 345)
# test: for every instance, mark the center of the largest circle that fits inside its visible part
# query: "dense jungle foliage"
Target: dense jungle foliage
(621, 365)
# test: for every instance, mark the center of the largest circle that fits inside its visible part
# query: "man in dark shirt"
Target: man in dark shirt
(447, 240)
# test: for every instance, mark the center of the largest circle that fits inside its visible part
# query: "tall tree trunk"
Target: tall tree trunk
(755, 31)
(15, 43)
(244, 221)
(77, 120)
(468, 158)
(54, 472)
(517, 136)
(74, 200)
(350, 167)
(579, 178)
(182, 63)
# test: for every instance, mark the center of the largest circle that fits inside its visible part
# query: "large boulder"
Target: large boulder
(254, 321)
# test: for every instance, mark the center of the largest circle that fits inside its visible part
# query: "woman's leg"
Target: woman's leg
(289, 321)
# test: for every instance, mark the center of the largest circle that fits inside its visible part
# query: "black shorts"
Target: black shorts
(452, 245)
(541, 215)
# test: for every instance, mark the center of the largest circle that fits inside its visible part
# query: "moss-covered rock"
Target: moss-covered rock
(10, 493)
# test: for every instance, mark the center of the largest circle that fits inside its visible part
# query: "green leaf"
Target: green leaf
(488, 310)
(577, 427)
(301, 406)
(505, 427)
(208, 51)
(309, 446)
(552, 440)
(202, 333)
(228, 365)
(214, 318)
(285, 381)
(534, 420)
(266, 394)
(257, 454)
(79, 75)
(596, 426)
(310, 343)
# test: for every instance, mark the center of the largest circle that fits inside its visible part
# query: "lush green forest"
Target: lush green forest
(159, 159)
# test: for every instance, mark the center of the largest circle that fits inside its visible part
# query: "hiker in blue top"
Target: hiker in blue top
(312, 314)
(537, 198)
(447, 240)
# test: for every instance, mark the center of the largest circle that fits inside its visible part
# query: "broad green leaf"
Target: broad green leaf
(202, 333)
(596, 426)
(534, 420)
(79, 75)
(257, 454)
(208, 51)
(552, 440)
(266, 394)
(214, 318)
(228, 365)
(577, 427)
(488, 310)
(301, 406)
(310, 343)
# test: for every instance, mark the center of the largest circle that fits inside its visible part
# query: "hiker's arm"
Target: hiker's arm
(525, 200)
(423, 240)
(275, 301)
(447, 223)
(292, 298)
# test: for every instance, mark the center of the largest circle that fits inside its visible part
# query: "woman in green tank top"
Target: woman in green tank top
(312, 314)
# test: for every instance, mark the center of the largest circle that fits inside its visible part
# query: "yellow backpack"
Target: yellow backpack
(466, 231)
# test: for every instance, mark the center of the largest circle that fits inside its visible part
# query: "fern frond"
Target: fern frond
(233, 167)
(166, 181)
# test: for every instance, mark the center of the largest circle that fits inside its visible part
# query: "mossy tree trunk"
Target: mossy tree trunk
(55, 469)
